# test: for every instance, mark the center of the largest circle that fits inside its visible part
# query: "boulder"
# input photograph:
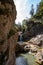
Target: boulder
(38, 40)
(39, 57)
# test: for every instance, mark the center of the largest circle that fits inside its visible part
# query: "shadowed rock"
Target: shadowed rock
(8, 33)
(33, 29)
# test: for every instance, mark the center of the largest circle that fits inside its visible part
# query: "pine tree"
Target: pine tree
(32, 10)
(39, 11)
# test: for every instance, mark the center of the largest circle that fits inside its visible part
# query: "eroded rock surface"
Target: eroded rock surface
(8, 33)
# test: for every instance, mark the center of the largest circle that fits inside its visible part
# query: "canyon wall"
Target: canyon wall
(8, 33)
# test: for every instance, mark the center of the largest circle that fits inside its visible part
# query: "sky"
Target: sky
(23, 8)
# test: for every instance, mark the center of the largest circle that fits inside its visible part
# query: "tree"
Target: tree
(32, 10)
(24, 22)
(39, 11)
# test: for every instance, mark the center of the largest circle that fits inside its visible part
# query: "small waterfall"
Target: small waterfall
(21, 38)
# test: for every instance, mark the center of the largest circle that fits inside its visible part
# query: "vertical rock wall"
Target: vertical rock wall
(8, 33)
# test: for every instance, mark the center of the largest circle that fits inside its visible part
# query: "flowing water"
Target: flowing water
(21, 61)
(30, 59)
(25, 59)
(20, 38)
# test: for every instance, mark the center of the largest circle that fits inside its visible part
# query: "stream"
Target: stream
(25, 59)
(21, 61)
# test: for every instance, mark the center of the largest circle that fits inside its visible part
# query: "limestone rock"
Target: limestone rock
(8, 33)
(38, 40)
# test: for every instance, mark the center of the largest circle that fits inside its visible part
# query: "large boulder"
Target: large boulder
(8, 33)
(38, 40)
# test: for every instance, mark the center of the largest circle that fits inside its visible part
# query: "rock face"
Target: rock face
(8, 33)
(33, 29)
(38, 40)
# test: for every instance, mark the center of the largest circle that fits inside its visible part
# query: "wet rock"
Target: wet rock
(19, 49)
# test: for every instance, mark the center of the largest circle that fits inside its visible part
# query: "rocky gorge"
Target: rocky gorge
(10, 48)
(33, 42)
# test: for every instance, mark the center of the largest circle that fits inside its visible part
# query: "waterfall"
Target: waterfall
(21, 38)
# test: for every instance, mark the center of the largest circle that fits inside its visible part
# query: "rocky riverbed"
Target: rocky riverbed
(34, 48)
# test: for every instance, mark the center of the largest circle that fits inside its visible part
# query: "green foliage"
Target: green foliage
(39, 12)
(37, 17)
(24, 24)
(19, 27)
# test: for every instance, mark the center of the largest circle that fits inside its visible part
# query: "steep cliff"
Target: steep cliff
(8, 33)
